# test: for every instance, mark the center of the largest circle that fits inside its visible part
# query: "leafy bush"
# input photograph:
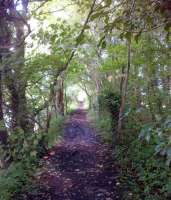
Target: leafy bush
(110, 101)
(109, 105)
(104, 125)
(146, 174)
(25, 151)
(159, 133)
(14, 178)
(23, 146)
(55, 131)
(29, 146)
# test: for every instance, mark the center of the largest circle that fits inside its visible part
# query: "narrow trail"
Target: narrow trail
(79, 168)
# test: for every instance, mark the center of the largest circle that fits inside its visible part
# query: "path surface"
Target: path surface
(79, 168)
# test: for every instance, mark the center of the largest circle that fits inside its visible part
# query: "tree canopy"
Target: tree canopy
(111, 58)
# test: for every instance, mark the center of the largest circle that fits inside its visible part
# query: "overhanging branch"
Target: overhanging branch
(79, 36)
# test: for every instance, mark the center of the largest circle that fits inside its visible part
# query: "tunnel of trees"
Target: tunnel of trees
(110, 58)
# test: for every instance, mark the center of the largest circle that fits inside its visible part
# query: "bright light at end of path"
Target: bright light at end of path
(81, 97)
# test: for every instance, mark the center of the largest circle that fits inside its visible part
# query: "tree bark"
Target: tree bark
(123, 94)
(16, 81)
(59, 96)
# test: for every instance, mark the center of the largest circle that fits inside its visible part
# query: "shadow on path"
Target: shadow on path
(79, 168)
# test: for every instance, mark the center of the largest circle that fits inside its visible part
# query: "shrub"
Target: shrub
(104, 124)
(25, 151)
(55, 131)
(110, 101)
(146, 174)
(14, 178)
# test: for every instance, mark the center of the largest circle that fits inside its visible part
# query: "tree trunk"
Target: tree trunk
(122, 78)
(123, 94)
(59, 96)
(17, 82)
(3, 130)
(65, 101)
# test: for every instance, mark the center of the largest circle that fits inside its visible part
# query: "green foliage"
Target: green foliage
(55, 131)
(27, 147)
(110, 101)
(25, 150)
(145, 161)
(159, 133)
(14, 178)
(48, 140)
(105, 127)
(130, 17)
(23, 146)
(116, 57)
(146, 174)
(103, 123)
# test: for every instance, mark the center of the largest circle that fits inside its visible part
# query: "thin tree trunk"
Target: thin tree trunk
(3, 131)
(59, 96)
(124, 91)
(66, 101)
(150, 103)
(122, 78)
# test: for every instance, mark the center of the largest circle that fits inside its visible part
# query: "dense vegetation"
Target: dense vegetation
(112, 55)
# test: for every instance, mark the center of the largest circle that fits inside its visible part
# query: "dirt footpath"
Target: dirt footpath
(79, 168)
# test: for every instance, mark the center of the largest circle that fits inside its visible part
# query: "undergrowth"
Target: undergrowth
(13, 179)
(26, 151)
(144, 174)
(103, 124)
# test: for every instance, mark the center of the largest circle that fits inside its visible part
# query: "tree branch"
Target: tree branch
(59, 10)
(79, 36)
